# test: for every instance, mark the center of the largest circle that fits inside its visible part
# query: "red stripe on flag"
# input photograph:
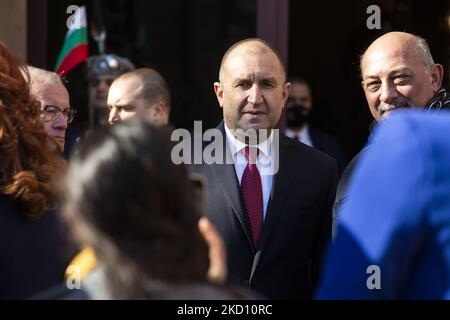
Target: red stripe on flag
(76, 56)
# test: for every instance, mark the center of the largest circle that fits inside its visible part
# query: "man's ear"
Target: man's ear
(218, 89)
(436, 75)
(217, 272)
(159, 113)
(286, 91)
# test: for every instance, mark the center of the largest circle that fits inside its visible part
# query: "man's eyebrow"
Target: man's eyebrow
(392, 72)
(400, 70)
(237, 80)
(270, 79)
(57, 106)
(371, 77)
(121, 105)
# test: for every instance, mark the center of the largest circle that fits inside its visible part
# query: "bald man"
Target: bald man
(143, 93)
(397, 71)
(272, 202)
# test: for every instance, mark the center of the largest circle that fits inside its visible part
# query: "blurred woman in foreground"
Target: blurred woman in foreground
(32, 258)
(130, 203)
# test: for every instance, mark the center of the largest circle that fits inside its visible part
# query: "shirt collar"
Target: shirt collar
(236, 145)
(292, 134)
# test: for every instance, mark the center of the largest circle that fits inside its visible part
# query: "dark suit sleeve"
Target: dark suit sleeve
(324, 227)
(341, 192)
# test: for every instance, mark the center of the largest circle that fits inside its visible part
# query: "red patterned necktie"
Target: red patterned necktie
(251, 188)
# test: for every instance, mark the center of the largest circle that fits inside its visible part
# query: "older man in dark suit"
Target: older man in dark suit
(272, 201)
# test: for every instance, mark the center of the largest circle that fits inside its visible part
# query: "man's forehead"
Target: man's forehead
(56, 95)
(298, 87)
(124, 91)
(390, 60)
(251, 64)
(250, 52)
(392, 47)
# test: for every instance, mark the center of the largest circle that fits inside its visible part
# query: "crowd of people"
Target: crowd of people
(282, 219)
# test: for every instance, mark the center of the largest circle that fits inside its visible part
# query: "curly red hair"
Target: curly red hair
(28, 168)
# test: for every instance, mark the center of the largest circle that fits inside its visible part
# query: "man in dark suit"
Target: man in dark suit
(271, 200)
(298, 113)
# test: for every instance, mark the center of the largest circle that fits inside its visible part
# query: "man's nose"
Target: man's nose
(388, 93)
(60, 122)
(103, 86)
(113, 115)
(255, 95)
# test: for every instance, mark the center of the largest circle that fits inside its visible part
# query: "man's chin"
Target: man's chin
(255, 123)
(252, 131)
(255, 128)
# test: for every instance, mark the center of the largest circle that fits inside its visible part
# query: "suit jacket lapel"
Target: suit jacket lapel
(281, 184)
(280, 189)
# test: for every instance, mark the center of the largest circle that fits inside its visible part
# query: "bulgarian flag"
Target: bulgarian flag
(75, 47)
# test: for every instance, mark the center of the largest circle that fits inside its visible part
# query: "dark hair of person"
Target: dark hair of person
(134, 206)
(28, 168)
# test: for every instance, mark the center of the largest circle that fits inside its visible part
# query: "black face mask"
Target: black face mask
(297, 116)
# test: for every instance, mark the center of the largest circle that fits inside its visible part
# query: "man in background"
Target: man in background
(143, 93)
(53, 96)
(298, 116)
(102, 71)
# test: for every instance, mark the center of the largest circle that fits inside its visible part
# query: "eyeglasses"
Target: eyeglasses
(50, 113)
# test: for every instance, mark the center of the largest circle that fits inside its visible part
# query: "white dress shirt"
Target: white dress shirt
(263, 163)
(302, 135)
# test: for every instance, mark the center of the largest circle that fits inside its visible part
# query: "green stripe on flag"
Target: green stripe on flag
(73, 39)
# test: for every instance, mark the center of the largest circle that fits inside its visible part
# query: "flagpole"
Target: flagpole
(98, 30)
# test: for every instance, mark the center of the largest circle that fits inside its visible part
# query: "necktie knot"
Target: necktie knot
(251, 154)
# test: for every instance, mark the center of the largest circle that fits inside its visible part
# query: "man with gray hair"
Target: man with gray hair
(397, 71)
(142, 92)
(53, 96)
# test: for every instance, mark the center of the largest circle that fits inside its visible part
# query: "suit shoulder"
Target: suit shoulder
(325, 142)
(320, 135)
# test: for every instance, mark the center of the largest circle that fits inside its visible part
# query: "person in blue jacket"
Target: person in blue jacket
(393, 236)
